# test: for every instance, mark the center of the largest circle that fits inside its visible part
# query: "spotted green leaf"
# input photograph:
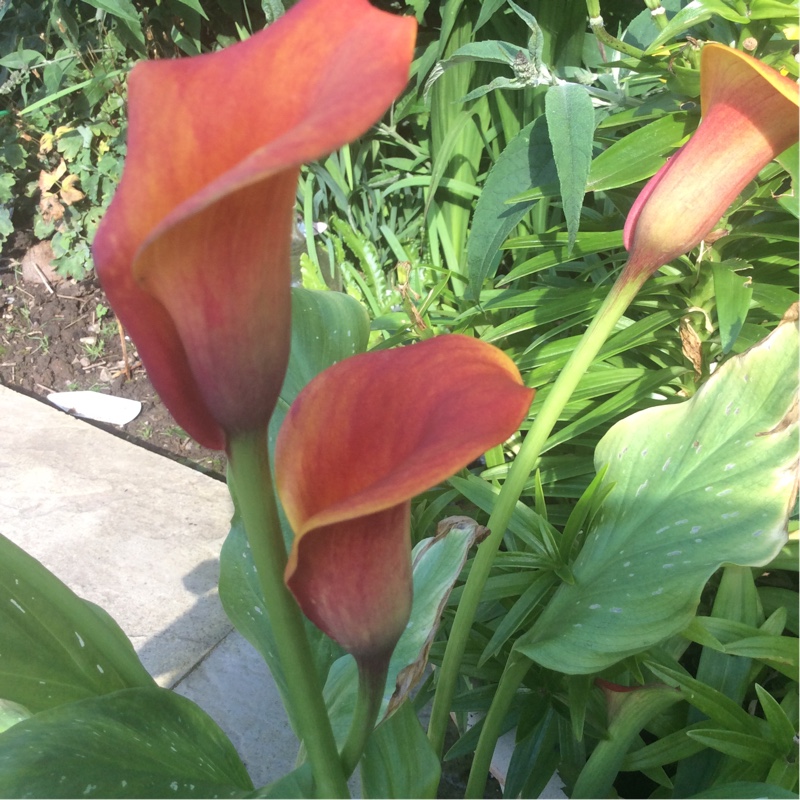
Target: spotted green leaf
(55, 647)
(133, 743)
(696, 485)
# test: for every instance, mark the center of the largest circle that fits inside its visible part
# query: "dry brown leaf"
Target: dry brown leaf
(69, 192)
(692, 346)
(49, 179)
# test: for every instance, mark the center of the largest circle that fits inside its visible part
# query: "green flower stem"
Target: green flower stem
(622, 293)
(371, 683)
(516, 668)
(255, 497)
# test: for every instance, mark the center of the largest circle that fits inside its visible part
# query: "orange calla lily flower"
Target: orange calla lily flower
(194, 251)
(358, 443)
(750, 115)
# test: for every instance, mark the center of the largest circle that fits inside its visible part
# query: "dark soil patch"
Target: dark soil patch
(57, 337)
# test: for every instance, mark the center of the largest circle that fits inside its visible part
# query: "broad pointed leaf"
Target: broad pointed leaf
(527, 161)
(697, 485)
(570, 122)
(133, 743)
(55, 647)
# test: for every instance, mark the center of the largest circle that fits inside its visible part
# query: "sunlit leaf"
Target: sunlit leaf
(56, 647)
(697, 485)
(133, 743)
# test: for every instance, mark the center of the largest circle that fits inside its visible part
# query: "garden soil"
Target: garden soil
(60, 335)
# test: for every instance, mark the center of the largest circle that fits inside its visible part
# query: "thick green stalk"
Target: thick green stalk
(255, 497)
(516, 668)
(371, 683)
(602, 325)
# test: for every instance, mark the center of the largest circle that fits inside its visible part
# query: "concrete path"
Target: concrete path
(140, 535)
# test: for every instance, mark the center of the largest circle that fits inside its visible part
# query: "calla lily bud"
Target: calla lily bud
(358, 443)
(750, 115)
(194, 251)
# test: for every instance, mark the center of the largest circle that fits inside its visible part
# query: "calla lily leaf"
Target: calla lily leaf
(56, 647)
(327, 327)
(696, 485)
(133, 743)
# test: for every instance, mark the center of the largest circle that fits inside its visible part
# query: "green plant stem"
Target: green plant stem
(252, 483)
(599, 30)
(516, 668)
(657, 13)
(623, 291)
(371, 683)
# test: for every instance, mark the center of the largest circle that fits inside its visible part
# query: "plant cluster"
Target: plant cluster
(632, 610)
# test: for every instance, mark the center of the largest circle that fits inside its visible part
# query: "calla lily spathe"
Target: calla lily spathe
(750, 115)
(358, 443)
(194, 251)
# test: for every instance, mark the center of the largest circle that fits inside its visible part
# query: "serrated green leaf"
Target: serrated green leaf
(527, 160)
(133, 743)
(56, 647)
(399, 760)
(697, 485)
(570, 123)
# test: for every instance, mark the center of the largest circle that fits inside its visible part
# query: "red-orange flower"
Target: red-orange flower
(749, 117)
(358, 443)
(193, 252)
